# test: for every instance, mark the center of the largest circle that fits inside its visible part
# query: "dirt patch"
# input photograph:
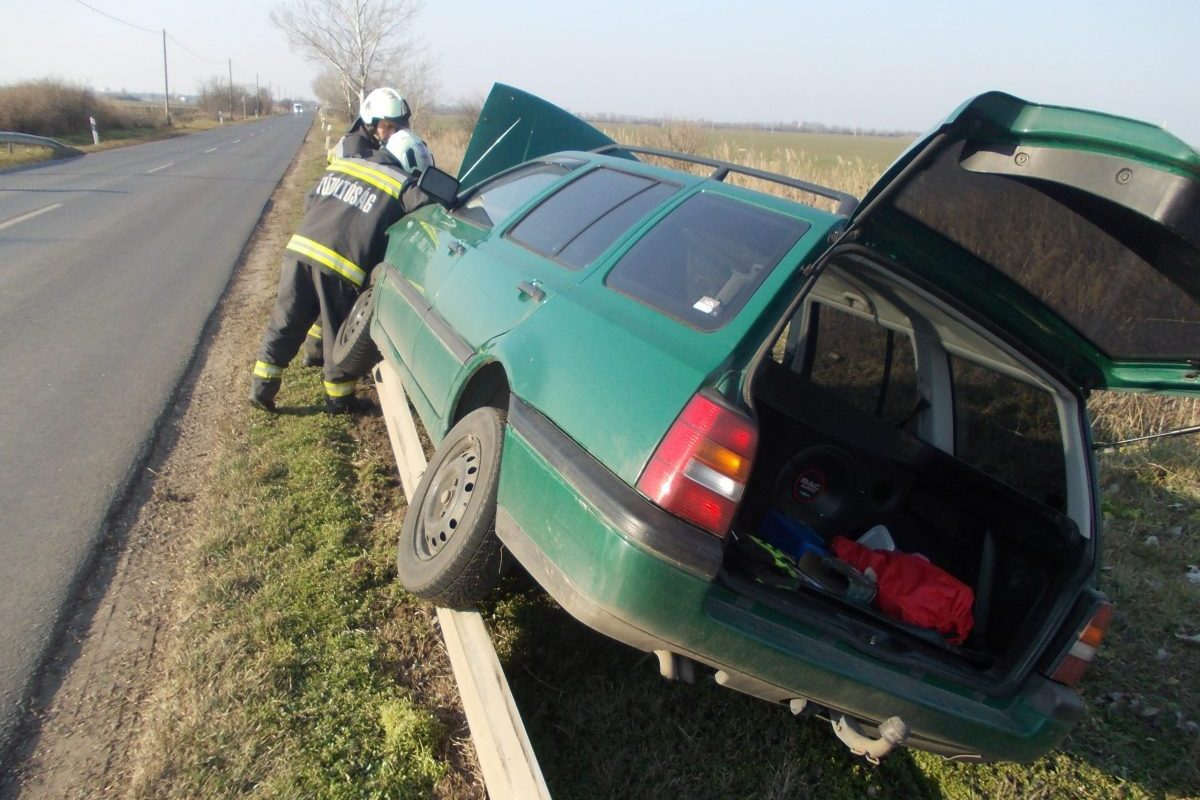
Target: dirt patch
(87, 725)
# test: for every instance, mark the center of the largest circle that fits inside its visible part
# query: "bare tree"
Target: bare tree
(334, 94)
(414, 74)
(360, 40)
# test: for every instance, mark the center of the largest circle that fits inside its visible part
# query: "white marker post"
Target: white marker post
(95, 134)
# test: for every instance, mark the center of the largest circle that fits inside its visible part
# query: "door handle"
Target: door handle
(455, 248)
(531, 290)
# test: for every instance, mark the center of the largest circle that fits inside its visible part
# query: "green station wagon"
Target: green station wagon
(668, 395)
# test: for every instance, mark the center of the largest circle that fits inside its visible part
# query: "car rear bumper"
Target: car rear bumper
(628, 569)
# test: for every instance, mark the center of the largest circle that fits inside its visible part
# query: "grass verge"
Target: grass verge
(288, 685)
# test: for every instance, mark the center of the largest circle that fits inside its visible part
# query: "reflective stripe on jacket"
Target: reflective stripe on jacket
(348, 213)
(320, 255)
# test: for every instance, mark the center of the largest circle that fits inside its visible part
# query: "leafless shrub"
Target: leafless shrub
(53, 108)
(685, 136)
(469, 109)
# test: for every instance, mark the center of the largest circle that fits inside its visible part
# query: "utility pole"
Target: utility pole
(231, 88)
(257, 97)
(166, 85)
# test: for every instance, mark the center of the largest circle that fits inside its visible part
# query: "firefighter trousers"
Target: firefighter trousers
(307, 296)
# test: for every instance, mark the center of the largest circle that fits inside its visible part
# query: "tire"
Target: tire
(449, 553)
(354, 351)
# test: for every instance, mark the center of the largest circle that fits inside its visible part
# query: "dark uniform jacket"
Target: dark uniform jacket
(348, 212)
(357, 143)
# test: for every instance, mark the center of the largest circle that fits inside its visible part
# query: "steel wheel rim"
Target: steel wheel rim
(448, 499)
(359, 318)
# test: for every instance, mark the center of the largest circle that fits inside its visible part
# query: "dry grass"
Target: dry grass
(1117, 415)
(51, 108)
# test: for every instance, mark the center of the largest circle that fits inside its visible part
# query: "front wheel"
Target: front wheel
(354, 351)
(449, 553)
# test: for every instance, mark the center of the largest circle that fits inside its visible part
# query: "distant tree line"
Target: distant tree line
(215, 95)
(794, 127)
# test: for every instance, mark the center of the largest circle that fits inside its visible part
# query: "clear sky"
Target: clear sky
(868, 63)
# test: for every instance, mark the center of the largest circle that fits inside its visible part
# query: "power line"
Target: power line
(118, 19)
(148, 30)
(185, 47)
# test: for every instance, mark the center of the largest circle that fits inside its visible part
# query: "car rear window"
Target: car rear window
(704, 260)
(578, 222)
(496, 199)
(1040, 236)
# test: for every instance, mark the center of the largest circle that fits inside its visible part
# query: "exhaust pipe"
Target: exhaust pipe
(892, 733)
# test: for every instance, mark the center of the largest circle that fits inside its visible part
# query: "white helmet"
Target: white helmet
(410, 150)
(384, 103)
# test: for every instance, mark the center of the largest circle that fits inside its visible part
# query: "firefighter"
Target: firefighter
(341, 236)
(381, 113)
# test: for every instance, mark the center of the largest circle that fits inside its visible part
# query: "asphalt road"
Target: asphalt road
(110, 265)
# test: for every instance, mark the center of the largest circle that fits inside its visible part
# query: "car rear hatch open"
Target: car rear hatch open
(1027, 255)
(1075, 234)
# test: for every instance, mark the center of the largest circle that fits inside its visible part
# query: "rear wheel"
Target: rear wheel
(448, 552)
(354, 352)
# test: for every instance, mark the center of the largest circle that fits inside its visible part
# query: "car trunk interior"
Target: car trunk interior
(837, 457)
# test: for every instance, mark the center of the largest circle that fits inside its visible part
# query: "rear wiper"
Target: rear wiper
(1114, 445)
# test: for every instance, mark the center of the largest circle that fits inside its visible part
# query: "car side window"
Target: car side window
(703, 261)
(1010, 430)
(496, 199)
(864, 364)
(579, 221)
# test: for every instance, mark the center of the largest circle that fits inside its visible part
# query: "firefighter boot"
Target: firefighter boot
(344, 405)
(262, 393)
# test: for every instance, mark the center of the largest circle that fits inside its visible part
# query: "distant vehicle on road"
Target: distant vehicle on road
(297, 108)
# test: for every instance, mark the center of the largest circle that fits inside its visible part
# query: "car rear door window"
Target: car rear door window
(495, 200)
(1009, 430)
(578, 222)
(705, 259)
(864, 365)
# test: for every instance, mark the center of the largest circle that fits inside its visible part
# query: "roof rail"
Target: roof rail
(846, 203)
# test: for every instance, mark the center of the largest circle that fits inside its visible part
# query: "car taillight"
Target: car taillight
(1077, 660)
(700, 469)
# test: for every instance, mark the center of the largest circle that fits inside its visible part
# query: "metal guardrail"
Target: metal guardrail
(61, 150)
(506, 758)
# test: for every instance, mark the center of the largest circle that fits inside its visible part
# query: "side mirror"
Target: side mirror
(441, 186)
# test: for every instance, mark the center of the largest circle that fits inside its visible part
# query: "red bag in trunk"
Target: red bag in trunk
(912, 590)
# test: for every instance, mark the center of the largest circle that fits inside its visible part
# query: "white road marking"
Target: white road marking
(235, 141)
(30, 215)
(156, 169)
(211, 150)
